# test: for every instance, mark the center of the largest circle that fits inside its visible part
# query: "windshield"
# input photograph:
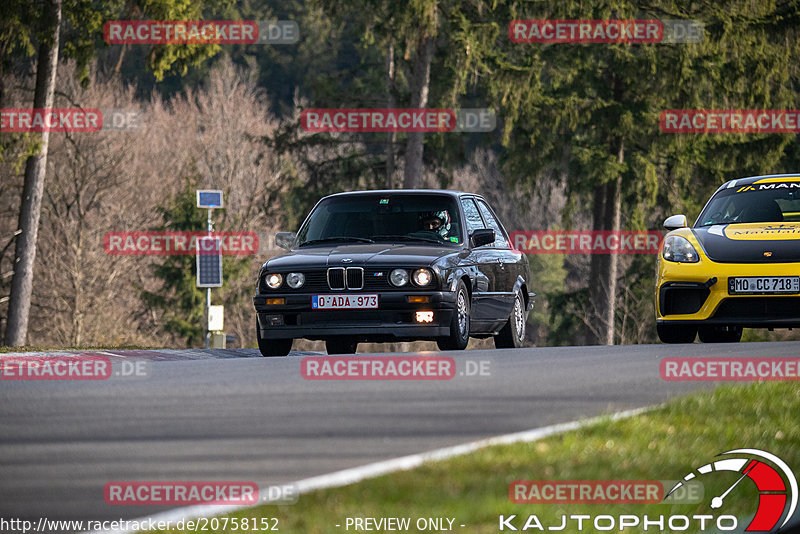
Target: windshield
(373, 218)
(756, 203)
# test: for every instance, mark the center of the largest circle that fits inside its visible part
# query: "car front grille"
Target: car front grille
(336, 278)
(355, 278)
(340, 278)
(759, 308)
(682, 297)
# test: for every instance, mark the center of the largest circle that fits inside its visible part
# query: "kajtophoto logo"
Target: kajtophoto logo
(775, 500)
(774, 481)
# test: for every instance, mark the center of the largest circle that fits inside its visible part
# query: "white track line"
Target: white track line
(357, 474)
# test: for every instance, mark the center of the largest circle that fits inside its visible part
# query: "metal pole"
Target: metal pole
(208, 309)
(209, 229)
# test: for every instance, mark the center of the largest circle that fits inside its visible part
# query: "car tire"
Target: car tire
(341, 346)
(459, 325)
(273, 347)
(675, 333)
(512, 336)
(719, 334)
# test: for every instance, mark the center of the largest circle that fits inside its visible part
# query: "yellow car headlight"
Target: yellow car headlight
(678, 249)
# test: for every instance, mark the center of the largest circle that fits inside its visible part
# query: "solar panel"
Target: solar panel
(209, 198)
(209, 262)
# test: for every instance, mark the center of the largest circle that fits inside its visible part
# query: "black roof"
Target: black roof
(751, 179)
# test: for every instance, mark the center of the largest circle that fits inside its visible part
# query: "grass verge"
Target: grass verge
(664, 444)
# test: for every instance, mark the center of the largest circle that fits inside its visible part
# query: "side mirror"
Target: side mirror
(675, 222)
(481, 237)
(284, 240)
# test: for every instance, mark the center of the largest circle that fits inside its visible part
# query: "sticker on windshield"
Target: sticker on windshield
(763, 232)
(768, 186)
(384, 201)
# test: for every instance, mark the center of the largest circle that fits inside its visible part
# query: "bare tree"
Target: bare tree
(420, 83)
(90, 189)
(220, 128)
(31, 206)
(390, 104)
(115, 180)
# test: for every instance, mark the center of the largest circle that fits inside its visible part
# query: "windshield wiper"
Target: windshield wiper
(409, 238)
(338, 239)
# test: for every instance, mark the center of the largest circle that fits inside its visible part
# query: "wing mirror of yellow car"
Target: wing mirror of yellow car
(675, 222)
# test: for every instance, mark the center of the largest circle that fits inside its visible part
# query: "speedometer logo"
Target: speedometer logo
(775, 499)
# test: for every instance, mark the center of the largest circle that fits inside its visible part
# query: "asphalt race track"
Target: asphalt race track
(233, 415)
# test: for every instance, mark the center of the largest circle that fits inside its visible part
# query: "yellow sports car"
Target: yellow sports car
(737, 267)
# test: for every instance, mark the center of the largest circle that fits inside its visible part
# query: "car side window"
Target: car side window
(472, 215)
(491, 222)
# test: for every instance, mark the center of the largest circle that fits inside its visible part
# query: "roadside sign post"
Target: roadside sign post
(209, 252)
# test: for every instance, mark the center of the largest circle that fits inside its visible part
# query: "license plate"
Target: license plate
(344, 302)
(763, 285)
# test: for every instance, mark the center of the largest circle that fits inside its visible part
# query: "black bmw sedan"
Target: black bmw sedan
(381, 266)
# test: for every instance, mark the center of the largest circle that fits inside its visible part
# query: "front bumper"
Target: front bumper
(693, 294)
(394, 319)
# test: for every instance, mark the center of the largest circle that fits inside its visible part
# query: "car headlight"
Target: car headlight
(274, 280)
(295, 280)
(677, 248)
(422, 277)
(398, 277)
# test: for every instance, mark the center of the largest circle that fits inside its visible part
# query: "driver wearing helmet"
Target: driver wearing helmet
(437, 222)
(432, 223)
